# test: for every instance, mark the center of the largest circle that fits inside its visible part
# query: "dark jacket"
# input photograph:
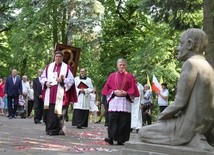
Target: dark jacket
(12, 89)
(37, 87)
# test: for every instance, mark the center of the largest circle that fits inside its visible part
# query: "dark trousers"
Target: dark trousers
(66, 114)
(146, 116)
(54, 122)
(119, 125)
(106, 113)
(147, 119)
(38, 109)
(30, 106)
(80, 117)
(161, 108)
(12, 105)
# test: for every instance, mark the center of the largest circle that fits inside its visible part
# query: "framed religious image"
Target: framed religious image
(71, 55)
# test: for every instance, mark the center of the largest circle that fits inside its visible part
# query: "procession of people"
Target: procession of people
(127, 104)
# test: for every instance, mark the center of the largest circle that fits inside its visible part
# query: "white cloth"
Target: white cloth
(51, 77)
(136, 114)
(161, 101)
(119, 104)
(83, 98)
(93, 103)
(31, 94)
(25, 87)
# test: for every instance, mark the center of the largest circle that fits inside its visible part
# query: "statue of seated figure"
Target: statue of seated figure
(189, 120)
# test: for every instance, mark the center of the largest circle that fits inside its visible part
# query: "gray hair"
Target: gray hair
(121, 60)
(146, 85)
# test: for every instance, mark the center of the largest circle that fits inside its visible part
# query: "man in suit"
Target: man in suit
(38, 101)
(13, 89)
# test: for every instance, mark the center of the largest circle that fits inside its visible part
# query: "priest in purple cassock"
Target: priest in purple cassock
(120, 89)
(58, 84)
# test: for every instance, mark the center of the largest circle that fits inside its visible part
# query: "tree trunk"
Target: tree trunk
(69, 27)
(208, 7)
(24, 67)
(54, 24)
(63, 28)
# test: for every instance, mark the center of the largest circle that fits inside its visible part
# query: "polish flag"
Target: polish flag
(156, 87)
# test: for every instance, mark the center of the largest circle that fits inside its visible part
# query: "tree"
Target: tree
(208, 26)
(184, 14)
(130, 33)
(39, 25)
(179, 14)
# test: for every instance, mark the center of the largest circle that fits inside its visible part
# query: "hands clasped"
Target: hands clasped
(120, 93)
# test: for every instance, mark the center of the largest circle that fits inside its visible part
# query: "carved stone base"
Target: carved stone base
(140, 148)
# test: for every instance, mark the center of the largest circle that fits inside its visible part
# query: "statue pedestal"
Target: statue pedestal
(140, 148)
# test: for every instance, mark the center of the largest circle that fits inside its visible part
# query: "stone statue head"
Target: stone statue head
(192, 42)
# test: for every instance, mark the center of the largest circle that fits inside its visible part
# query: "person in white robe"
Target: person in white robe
(136, 114)
(81, 108)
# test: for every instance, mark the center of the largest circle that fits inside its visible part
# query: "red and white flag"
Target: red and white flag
(156, 87)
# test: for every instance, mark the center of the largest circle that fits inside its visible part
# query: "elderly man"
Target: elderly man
(147, 105)
(120, 89)
(13, 89)
(56, 80)
(25, 91)
(190, 118)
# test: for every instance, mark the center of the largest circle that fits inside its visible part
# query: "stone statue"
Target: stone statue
(189, 120)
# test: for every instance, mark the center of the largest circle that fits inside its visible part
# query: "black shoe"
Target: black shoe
(66, 119)
(119, 143)
(53, 134)
(38, 122)
(10, 117)
(137, 130)
(98, 122)
(61, 133)
(109, 140)
(106, 124)
(131, 130)
(79, 127)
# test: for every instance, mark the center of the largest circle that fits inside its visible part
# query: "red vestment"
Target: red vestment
(121, 81)
(69, 96)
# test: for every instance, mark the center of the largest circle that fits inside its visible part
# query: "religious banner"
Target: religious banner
(71, 55)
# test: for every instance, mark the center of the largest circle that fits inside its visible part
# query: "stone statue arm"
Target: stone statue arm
(186, 83)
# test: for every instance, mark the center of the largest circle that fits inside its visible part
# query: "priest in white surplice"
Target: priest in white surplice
(81, 108)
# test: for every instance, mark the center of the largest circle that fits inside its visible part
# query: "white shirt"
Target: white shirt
(25, 87)
(30, 94)
(161, 101)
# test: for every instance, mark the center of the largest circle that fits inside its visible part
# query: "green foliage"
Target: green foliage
(149, 47)
(179, 14)
(31, 38)
(144, 32)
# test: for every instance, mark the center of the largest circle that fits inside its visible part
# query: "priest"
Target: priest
(120, 90)
(57, 80)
